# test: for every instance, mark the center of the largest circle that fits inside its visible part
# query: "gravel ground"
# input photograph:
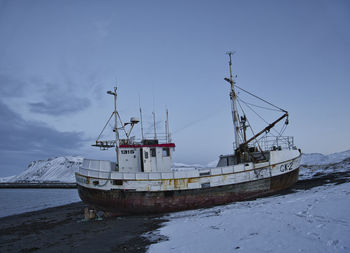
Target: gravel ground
(63, 229)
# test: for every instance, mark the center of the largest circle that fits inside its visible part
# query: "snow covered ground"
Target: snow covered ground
(316, 220)
(313, 217)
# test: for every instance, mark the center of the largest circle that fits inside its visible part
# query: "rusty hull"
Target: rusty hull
(125, 202)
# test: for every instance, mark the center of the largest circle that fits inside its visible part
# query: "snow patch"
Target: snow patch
(313, 171)
(305, 221)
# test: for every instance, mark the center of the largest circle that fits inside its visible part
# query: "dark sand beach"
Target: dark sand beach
(63, 229)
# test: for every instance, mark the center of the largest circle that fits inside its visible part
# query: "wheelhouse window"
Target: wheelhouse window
(153, 152)
(166, 152)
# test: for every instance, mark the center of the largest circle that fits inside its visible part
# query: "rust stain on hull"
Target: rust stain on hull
(131, 202)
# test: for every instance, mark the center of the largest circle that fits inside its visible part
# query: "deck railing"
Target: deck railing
(268, 143)
(277, 142)
(106, 170)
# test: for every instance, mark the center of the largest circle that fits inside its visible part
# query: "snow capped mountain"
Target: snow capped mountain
(6, 179)
(320, 159)
(183, 165)
(59, 169)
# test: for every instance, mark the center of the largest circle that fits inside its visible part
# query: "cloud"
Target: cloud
(23, 141)
(52, 98)
(60, 105)
(59, 100)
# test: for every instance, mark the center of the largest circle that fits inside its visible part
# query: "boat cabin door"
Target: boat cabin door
(146, 159)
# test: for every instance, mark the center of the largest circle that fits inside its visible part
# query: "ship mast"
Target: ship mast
(115, 125)
(167, 132)
(233, 99)
(241, 145)
(106, 144)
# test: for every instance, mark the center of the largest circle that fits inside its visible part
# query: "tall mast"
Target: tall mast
(154, 118)
(115, 125)
(233, 98)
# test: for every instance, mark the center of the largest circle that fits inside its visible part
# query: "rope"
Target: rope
(250, 127)
(257, 141)
(260, 98)
(105, 126)
(257, 114)
(259, 106)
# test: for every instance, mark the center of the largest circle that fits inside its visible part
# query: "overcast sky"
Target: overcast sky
(58, 59)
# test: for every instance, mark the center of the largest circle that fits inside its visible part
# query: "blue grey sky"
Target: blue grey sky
(58, 59)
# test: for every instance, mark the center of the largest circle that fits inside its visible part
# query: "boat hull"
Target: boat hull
(124, 202)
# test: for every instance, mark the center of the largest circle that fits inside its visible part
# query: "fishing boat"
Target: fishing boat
(142, 181)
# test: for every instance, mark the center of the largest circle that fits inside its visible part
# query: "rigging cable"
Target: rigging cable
(258, 114)
(260, 98)
(251, 129)
(259, 106)
(283, 129)
(105, 126)
(279, 134)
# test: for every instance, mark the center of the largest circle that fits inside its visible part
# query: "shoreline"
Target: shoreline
(38, 185)
(63, 229)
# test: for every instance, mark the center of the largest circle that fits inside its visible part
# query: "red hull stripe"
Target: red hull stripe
(165, 145)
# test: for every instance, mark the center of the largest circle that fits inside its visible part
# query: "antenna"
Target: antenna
(167, 127)
(141, 118)
(230, 53)
(154, 125)
(154, 117)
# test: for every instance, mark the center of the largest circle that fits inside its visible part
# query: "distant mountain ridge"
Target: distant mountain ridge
(320, 159)
(62, 169)
(59, 169)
